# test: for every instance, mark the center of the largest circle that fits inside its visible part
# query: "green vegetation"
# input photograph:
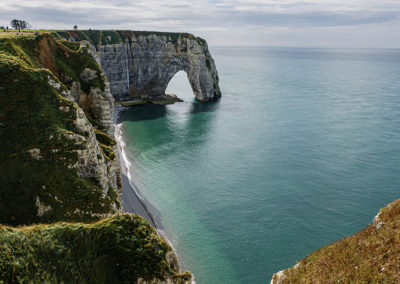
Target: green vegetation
(108, 152)
(72, 45)
(37, 153)
(64, 59)
(104, 138)
(106, 143)
(370, 256)
(120, 249)
(102, 37)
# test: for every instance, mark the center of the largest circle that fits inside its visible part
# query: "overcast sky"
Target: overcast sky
(314, 23)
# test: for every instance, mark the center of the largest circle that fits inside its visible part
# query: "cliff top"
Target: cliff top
(104, 37)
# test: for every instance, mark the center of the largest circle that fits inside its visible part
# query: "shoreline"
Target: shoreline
(132, 201)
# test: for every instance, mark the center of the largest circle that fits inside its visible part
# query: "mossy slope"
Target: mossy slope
(120, 249)
(36, 116)
(370, 256)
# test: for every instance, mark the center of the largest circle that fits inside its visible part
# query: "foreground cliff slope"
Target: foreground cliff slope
(121, 249)
(55, 164)
(59, 162)
(370, 256)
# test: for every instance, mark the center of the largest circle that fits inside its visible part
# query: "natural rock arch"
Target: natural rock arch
(141, 67)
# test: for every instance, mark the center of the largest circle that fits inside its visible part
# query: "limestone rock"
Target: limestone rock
(35, 153)
(142, 67)
(41, 208)
(88, 74)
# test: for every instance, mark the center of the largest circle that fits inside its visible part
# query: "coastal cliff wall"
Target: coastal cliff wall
(370, 256)
(139, 65)
(57, 148)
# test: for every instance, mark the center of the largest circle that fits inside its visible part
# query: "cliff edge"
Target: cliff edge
(370, 256)
(120, 249)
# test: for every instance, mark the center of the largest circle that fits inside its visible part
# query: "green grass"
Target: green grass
(120, 249)
(64, 59)
(370, 256)
(104, 138)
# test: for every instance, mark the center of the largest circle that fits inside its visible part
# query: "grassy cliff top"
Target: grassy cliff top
(119, 249)
(103, 37)
(370, 256)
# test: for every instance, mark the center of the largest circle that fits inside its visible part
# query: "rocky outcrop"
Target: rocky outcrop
(143, 66)
(139, 65)
(58, 161)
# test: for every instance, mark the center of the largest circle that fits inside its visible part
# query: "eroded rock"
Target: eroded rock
(141, 68)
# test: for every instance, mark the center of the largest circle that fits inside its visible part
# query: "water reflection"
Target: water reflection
(144, 112)
(205, 107)
(168, 127)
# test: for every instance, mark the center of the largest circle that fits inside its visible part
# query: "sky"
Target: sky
(293, 23)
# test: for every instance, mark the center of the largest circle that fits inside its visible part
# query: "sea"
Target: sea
(302, 150)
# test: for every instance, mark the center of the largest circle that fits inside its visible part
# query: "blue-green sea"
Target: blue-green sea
(302, 150)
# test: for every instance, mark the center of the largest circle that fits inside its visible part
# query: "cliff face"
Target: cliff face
(139, 65)
(370, 256)
(56, 156)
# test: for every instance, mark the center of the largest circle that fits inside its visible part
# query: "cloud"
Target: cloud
(211, 19)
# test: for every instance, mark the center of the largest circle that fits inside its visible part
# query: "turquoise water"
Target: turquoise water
(302, 150)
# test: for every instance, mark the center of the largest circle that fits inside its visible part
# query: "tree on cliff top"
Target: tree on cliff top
(20, 24)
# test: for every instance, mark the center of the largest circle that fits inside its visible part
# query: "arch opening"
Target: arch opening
(179, 85)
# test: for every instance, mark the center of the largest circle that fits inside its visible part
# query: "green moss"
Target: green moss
(73, 46)
(61, 35)
(119, 249)
(108, 151)
(104, 138)
(113, 35)
(65, 59)
(94, 122)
